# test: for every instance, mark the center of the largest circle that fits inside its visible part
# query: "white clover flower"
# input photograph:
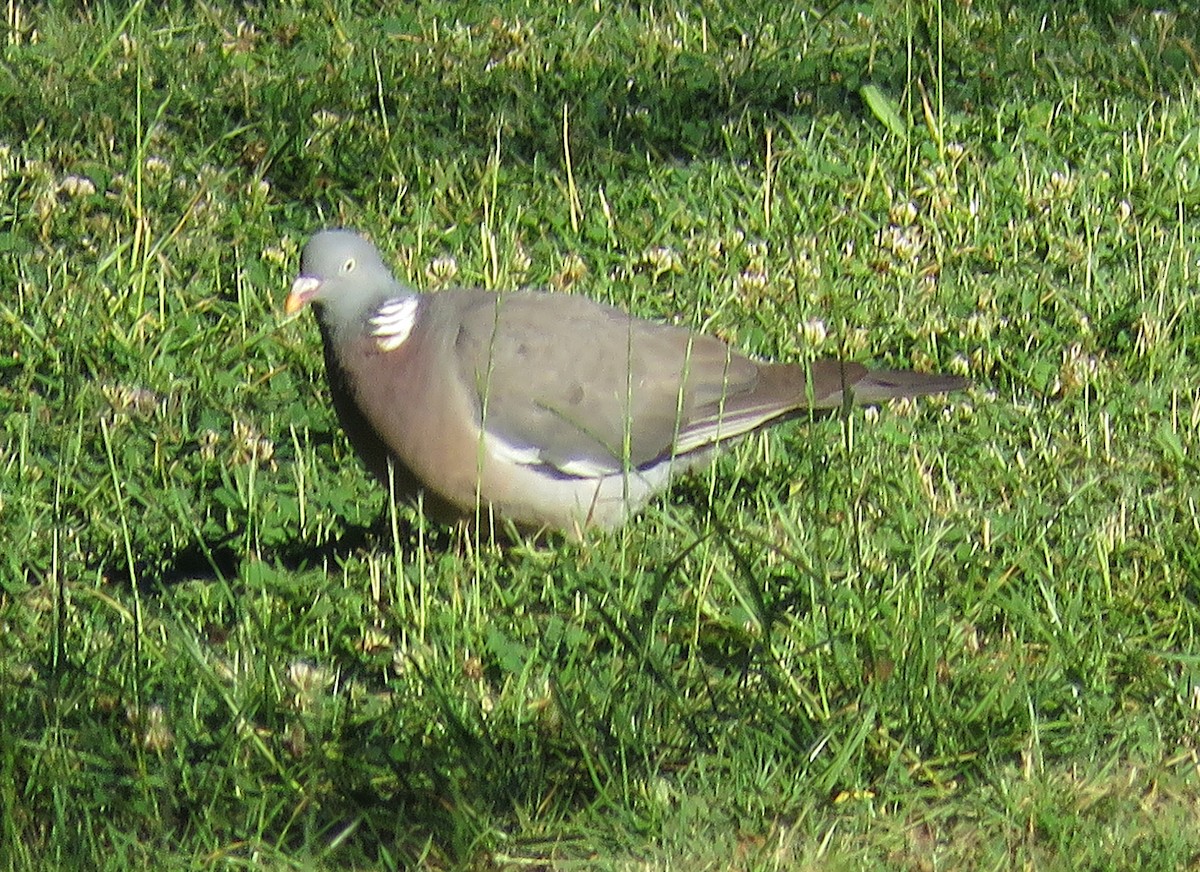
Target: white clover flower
(77, 186)
(521, 261)
(324, 119)
(154, 733)
(814, 332)
(442, 269)
(157, 166)
(750, 280)
(662, 259)
(904, 213)
(306, 678)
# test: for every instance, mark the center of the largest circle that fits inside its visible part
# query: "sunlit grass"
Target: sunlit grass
(956, 633)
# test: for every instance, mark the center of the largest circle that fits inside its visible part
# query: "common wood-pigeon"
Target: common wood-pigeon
(548, 410)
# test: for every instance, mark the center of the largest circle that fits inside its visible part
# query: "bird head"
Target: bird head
(342, 275)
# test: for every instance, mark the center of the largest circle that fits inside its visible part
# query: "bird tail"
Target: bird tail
(832, 379)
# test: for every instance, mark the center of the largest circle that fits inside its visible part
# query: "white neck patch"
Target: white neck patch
(393, 322)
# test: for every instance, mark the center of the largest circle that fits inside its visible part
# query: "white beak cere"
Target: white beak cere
(302, 288)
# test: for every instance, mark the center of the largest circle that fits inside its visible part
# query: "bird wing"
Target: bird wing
(585, 388)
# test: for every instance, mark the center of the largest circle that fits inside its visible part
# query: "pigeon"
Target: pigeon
(543, 411)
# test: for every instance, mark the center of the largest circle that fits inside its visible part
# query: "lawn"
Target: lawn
(953, 633)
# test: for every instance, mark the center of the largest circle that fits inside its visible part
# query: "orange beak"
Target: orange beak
(302, 291)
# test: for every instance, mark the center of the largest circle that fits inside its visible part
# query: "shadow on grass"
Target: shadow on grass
(222, 559)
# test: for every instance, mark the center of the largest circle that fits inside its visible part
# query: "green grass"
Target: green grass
(959, 633)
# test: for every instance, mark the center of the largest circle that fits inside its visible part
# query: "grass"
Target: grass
(957, 633)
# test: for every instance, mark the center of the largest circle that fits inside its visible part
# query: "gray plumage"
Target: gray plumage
(547, 410)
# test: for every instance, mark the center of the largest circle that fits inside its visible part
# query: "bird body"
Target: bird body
(550, 411)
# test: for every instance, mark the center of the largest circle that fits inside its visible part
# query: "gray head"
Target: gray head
(343, 276)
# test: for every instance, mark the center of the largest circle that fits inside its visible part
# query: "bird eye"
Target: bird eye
(348, 266)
